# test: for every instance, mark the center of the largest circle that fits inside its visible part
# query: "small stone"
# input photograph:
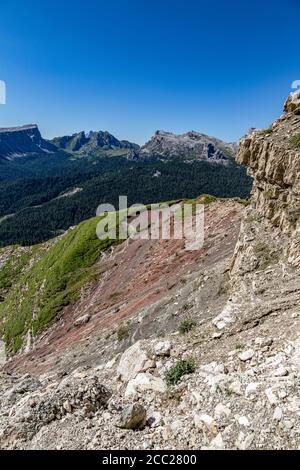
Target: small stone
(263, 342)
(222, 410)
(110, 364)
(251, 388)
(163, 348)
(277, 416)
(288, 424)
(271, 396)
(155, 420)
(82, 320)
(281, 372)
(282, 393)
(217, 335)
(236, 387)
(67, 406)
(217, 443)
(243, 421)
(207, 421)
(244, 442)
(246, 355)
(176, 426)
(132, 417)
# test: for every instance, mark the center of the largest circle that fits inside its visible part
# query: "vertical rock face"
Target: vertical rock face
(15, 141)
(273, 159)
(265, 274)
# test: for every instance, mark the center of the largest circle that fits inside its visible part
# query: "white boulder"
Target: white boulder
(145, 382)
(133, 361)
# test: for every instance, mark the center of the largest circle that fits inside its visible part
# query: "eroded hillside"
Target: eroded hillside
(167, 348)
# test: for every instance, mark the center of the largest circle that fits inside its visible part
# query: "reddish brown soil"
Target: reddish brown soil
(134, 275)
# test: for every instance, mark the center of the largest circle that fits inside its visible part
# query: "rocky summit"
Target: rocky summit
(189, 146)
(91, 142)
(19, 141)
(162, 348)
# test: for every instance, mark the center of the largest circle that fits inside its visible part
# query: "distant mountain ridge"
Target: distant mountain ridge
(47, 186)
(91, 142)
(191, 146)
(19, 141)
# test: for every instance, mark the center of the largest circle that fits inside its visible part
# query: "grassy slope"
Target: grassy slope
(41, 291)
(40, 281)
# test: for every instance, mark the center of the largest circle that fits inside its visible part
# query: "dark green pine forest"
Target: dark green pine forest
(32, 209)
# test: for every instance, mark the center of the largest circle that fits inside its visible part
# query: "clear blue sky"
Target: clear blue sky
(134, 66)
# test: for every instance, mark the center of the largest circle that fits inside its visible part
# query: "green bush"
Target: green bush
(123, 332)
(183, 367)
(186, 326)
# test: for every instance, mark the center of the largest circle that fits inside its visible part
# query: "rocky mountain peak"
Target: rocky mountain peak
(19, 141)
(189, 146)
(92, 142)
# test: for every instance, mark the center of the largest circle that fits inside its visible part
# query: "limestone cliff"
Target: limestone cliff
(273, 159)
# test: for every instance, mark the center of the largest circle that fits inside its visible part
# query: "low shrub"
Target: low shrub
(183, 367)
(186, 326)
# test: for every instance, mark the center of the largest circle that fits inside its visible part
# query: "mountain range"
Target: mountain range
(27, 140)
(46, 186)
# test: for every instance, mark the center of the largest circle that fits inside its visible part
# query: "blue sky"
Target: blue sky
(134, 66)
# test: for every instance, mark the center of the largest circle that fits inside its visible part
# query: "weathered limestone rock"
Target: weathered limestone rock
(145, 382)
(82, 320)
(132, 417)
(133, 361)
(163, 348)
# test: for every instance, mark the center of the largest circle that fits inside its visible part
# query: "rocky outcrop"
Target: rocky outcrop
(189, 146)
(19, 141)
(92, 142)
(292, 104)
(273, 160)
(32, 404)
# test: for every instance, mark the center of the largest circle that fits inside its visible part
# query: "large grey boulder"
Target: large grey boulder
(132, 417)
